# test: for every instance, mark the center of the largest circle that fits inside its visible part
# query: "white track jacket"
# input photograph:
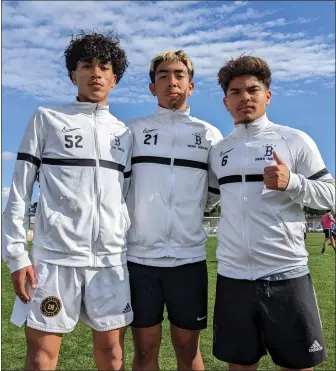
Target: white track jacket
(80, 154)
(169, 185)
(261, 231)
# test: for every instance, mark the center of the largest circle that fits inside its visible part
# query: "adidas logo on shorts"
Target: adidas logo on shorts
(127, 309)
(315, 347)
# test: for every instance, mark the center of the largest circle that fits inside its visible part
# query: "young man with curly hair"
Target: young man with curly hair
(76, 268)
(266, 173)
(167, 198)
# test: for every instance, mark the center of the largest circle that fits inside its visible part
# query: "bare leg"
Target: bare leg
(108, 349)
(325, 244)
(147, 343)
(187, 348)
(42, 349)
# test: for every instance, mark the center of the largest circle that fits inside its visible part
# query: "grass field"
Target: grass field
(76, 352)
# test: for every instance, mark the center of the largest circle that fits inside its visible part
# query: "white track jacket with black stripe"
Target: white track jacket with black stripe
(261, 232)
(81, 156)
(169, 185)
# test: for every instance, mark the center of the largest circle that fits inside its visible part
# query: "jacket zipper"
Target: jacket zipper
(97, 191)
(245, 222)
(169, 222)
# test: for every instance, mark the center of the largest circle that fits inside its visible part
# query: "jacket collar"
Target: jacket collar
(164, 111)
(89, 108)
(252, 128)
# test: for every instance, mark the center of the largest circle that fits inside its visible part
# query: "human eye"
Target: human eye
(254, 89)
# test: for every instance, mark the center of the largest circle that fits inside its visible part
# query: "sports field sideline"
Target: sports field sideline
(76, 351)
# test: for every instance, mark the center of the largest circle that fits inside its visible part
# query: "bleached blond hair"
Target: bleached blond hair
(171, 56)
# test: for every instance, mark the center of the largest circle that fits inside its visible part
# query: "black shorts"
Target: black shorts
(184, 290)
(327, 233)
(278, 316)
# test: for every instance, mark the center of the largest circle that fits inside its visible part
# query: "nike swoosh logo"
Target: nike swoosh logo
(65, 130)
(200, 319)
(148, 130)
(223, 153)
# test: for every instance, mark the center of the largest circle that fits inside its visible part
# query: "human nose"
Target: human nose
(245, 96)
(96, 71)
(172, 81)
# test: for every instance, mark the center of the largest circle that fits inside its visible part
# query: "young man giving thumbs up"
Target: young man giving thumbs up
(266, 173)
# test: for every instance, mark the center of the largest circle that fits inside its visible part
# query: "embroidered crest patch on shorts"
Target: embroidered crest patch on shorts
(50, 306)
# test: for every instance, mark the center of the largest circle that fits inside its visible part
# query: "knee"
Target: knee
(110, 357)
(146, 351)
(40, 359)
(186, 352)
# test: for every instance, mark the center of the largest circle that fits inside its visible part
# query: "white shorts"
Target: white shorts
(98, 296)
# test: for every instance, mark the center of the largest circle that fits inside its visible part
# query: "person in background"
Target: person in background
(327, 225)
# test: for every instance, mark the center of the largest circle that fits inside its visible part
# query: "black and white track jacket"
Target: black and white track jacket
(81, 155)
(261, 232)
(169, 185)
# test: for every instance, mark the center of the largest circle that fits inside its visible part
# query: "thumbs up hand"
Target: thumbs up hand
(276, 177)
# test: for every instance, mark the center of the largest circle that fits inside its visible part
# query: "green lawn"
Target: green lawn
(76, 352)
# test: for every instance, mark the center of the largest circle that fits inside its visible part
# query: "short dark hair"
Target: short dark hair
(244, 65)
(105, 47)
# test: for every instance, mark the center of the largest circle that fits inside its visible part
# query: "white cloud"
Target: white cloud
(302, 20)
(291, 92)
(329, 84)
(250, 13)
(210, 32)
(5, 192)
(8, 155)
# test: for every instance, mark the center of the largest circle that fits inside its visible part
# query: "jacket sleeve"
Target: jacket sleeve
(213, 185)
(311, 184)
(15, 218)
(128, 168)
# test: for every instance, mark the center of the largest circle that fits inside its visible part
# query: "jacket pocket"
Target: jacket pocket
(52, 220)
(188, 229)
(125, 215)
(289, 237)
(49, 220)
(148, 224)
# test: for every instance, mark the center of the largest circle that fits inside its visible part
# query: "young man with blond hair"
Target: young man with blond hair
(266, 173)
(167, 198)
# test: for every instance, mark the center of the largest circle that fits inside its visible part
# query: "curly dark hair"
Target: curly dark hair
(106, 47)
(244, 65)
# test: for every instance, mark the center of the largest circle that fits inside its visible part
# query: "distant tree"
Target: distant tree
(313, 212)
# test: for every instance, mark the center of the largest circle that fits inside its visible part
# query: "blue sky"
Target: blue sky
(296, 38)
